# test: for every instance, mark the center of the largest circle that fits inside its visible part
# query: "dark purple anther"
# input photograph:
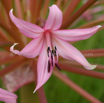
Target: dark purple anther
(55, 51)
(55, 48)
(48, 49)
(52, 57)
(48, 65)
(57, 66)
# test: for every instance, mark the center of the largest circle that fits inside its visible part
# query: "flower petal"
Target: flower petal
(7, 96)
(55, 17)
(67, 51)
(76, 34)
(31, 50)
(28, 29)
(42, 67)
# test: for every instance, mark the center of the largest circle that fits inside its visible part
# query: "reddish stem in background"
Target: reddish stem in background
(78, 89)
(6, 45)
(77, 14)
(93, 55)
(34, 68)
(12, 33)
(93, 51)
(98, 3)
(85, 72)
(45, 8)
(39, 5)
(9, 59)
(1, 15)
(70, 9)
(41, 95)
(33, 9)
(7, 19)
(12, 67)
(2, 53)
(19, 15)
(18, 9)
(7, 4)
(7, 7)
(99, 67)
(58, 3)
(25, 6)
(91, 24)
(3, 35)
(65, 2)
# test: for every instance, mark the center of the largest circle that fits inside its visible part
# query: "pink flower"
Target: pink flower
(49, 42)
(7, 97)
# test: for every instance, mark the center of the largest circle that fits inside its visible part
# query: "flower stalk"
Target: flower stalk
(12, 67)
(18, 9)
(41, 95)
(93, 23)
(78, 89)
(45, 7)
(70, 9)
(9, 59)
(13, 34)
(77, 70)
(79, 12)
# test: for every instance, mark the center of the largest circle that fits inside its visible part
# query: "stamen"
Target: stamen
(55, 48)
(52, 51)
(48, 49)
(55, 51)
(48, 65)
(52, 57)
(57, 66)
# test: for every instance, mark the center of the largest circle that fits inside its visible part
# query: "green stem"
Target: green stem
(27, 95)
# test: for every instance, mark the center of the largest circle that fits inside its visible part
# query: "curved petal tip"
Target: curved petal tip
(34, 91)
(12, 49)
(11, 10)
(99, 26)
(91, 67)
